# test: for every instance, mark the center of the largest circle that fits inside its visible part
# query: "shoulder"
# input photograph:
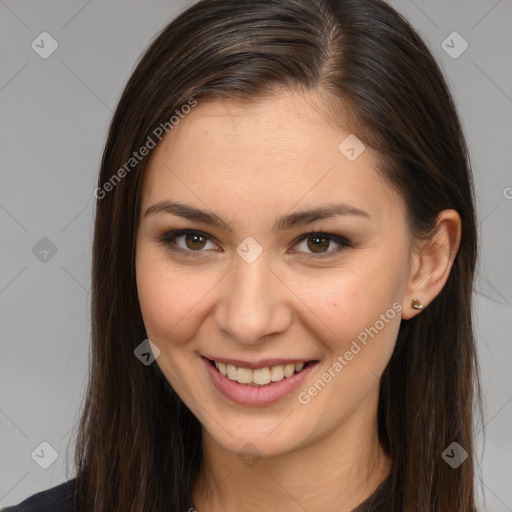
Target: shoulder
(55, 499)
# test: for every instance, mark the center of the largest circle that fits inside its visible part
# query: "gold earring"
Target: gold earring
(416, 304)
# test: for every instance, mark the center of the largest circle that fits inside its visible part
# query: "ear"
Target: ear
(431, 262)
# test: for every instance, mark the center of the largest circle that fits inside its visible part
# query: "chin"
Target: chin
(264, 437)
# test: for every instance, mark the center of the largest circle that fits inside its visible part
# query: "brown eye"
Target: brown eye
(318, 243)
(190, 243)
(195, 241)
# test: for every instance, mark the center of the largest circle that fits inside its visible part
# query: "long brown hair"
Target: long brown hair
(138, 446)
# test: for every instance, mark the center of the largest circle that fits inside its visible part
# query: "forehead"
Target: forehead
(269, 153)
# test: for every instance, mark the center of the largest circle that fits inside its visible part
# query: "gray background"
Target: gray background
(55, 114)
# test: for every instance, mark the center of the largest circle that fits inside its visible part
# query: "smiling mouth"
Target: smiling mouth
(261, 376)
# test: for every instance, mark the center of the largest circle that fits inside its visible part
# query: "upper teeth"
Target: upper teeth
(260, 376)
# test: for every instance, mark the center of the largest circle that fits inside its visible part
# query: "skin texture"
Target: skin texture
(250, 163)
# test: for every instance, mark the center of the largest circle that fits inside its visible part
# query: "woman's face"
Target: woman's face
(262, 283)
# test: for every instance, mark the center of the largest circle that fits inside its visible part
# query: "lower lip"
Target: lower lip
(247, 394)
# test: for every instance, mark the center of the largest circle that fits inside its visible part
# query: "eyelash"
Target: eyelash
(168, 239)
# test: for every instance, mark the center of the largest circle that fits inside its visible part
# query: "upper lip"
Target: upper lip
(255, 365)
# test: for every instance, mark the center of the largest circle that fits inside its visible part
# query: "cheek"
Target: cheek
(168, 301)
(361, 303)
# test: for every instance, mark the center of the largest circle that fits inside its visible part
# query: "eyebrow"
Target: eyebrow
(285, 222)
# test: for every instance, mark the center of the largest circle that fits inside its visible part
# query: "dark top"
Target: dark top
(58, 499)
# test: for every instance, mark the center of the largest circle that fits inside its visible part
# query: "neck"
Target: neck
(337, 472)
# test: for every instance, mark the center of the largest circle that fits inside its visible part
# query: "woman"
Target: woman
(285, 240)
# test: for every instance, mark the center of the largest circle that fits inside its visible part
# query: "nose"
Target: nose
(253, 302)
